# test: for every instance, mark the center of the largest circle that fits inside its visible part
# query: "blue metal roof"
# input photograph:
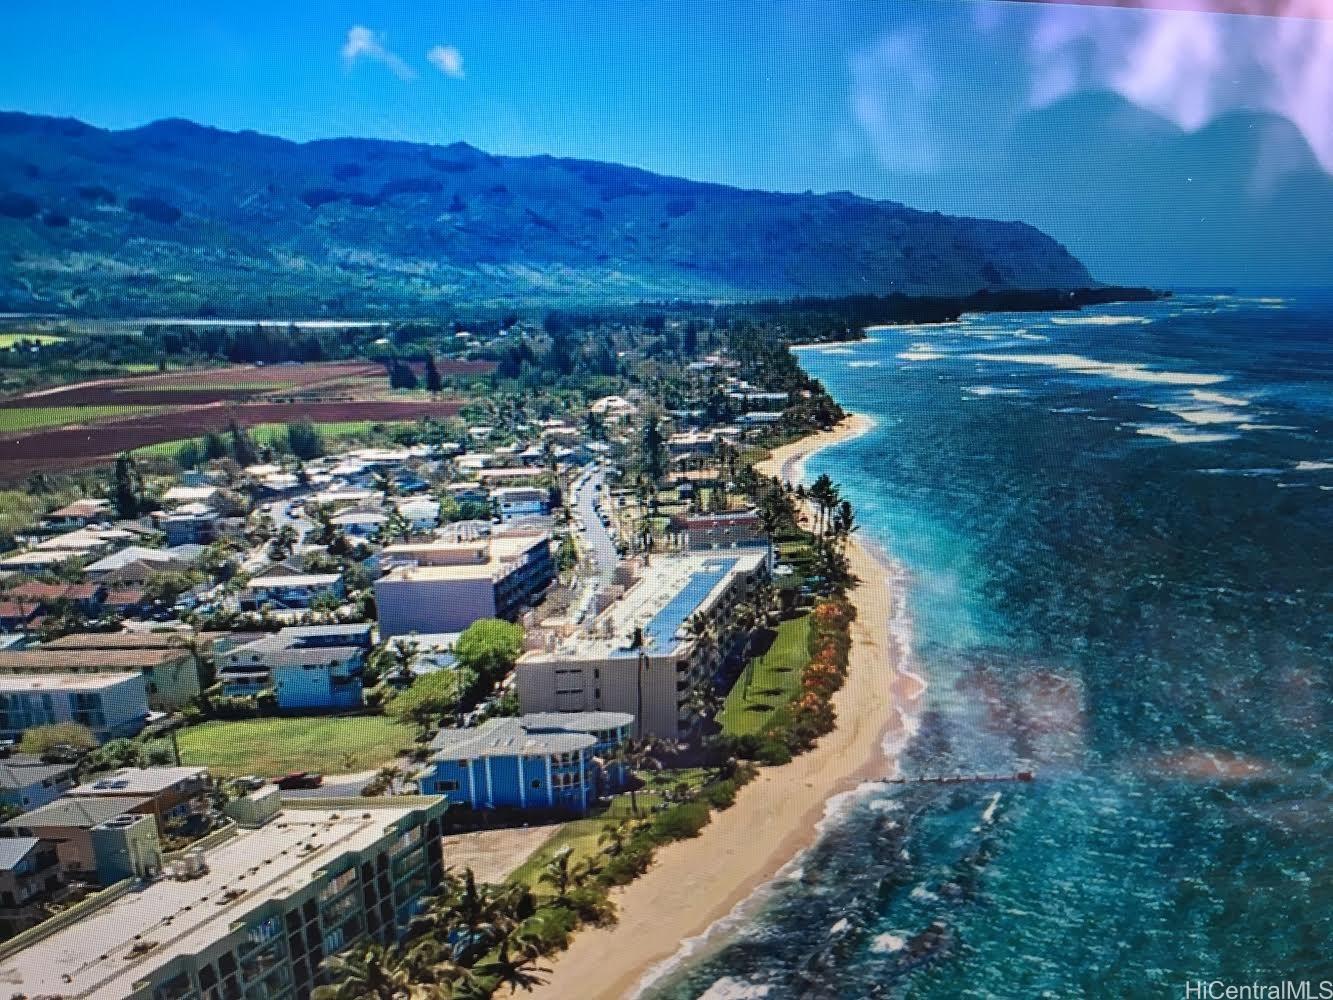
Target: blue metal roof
(659, 635)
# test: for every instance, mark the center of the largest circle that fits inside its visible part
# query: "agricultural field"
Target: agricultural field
(14, 420)
(273, 747)
(75, 426)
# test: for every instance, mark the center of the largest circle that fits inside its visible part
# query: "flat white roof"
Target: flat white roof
(182, 918)
(14, 683)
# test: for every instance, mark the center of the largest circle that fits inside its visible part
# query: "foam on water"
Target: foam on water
(1180, 434)
(1126, 371)
(1100, 320)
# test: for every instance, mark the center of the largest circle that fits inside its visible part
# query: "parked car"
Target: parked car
(300, 779)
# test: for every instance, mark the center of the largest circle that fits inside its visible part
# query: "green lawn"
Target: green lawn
(338, 432)
(8, 340)
(271, 747)
(776, 679)
(34, 417)
(582, 835)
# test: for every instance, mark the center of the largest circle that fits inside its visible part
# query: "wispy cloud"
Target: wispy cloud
(447, 59)
(362, 43)
(1191, 67)
(893, 85)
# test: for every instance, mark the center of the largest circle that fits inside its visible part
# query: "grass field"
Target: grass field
(776, 679)
(8, 340)
(581, 836)
(336, 432)
(27, 418)
(272, 747)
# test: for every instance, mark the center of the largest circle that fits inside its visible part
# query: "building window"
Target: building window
(536, 782)
(446, 786)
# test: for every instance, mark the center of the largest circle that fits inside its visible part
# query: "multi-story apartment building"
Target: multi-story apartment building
(111, 705)
(446, 586)
(640, 655)
(260, 914)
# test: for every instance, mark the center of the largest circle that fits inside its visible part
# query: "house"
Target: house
(18, 614)
(192, 524)
(313, 666)
(171, 794)
(26, 781)
(36, 561)
(758, 418)
(68, 823)
(179, 496)
(30, 877)
(359, 523)
(687, 444)
(724, 530)
(522, 475)
(110, 704)
(169, 669)
(641, 651)
(446, 586)
(112, 568)
(420, 513)
(253, 915)
(520, 501)
(560, 761)
(84, 597)
(281, 587)
(78, 514)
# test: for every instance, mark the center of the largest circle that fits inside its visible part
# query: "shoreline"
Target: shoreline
(694, 884)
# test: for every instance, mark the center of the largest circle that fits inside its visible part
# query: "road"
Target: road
(596, 540)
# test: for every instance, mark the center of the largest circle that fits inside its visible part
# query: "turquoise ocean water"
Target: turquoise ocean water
(1117, 533)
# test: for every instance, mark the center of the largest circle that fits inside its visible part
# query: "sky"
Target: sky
(1159, 146)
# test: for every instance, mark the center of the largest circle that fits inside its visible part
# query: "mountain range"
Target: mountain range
(179, 219)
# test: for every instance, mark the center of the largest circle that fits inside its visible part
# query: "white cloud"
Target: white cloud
(447, 59)
(362, 43)
(1191, 67)
(893, 86)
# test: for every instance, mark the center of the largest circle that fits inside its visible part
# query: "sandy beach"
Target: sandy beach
(694, 883)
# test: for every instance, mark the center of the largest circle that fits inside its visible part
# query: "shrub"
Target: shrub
(681, 822)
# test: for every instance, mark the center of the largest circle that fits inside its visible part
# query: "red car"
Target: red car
(300, 779)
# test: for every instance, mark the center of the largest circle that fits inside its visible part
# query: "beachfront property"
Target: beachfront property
(727, 530)
(602, 668)
(259, 915)
(446, 586)
(111, 705)
(283, 588)
(308, 666)
(561, 761)
(169, 669)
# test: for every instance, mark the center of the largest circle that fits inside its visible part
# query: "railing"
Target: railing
(206, 843)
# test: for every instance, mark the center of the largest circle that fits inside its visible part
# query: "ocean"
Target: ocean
(1116, 533)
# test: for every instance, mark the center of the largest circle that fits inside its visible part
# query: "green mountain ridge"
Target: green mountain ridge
(180, 219)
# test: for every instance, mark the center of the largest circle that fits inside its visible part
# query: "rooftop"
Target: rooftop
(138, 781)
(541, 733)
(43, 659)
(98, 953)
(15, 849)
(12, 683)
(670, 591)
(82, 814)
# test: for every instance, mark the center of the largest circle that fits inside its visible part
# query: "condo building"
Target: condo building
(640, 655)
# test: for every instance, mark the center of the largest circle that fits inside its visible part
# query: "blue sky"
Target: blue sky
(1103, 127)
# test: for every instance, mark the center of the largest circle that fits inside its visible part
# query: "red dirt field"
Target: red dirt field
(76, 447)
(340, 380)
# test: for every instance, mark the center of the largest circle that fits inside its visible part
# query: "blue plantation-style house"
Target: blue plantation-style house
(547, 760)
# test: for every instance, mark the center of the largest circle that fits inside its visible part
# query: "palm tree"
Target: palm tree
(515, 965)
(745, 619)
(640, 754)
(405, 653)
(372, 972)
(564, 874)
